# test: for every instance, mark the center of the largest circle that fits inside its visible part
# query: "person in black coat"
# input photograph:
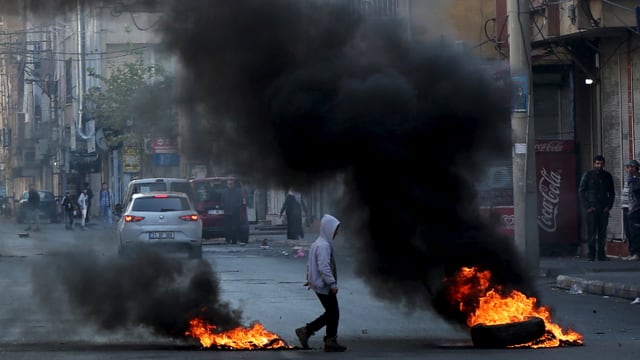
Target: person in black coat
(293, 207)
(233, 202)
(597, 195)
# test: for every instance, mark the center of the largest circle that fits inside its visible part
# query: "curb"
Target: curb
(598, 287)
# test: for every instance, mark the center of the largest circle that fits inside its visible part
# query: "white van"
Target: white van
(156, 184)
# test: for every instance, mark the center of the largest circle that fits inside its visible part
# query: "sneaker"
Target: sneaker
(303, 336)
(331, 345)
(633, 257)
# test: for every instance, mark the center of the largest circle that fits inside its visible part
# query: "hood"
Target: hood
(328, 226)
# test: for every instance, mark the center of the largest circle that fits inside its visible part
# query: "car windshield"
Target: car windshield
(147, 187)
(209, 190)
(153, 204)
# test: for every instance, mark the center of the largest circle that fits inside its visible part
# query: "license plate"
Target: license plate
(216, 212)
(160, 235)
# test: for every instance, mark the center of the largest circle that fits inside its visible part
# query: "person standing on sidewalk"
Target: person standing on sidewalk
(106, 199)
(293, 207)
(33, 206)
(322, 279)
(597, 195)
(67, 208)
(83, 204)
(89, 201)
(633, 182)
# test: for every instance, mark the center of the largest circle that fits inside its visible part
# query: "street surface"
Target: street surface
(265, 282)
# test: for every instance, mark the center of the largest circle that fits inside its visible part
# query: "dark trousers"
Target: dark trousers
(232, 228)
(329, 318)
(69, 218)
(597, 222)
(634, 240)
(625, 224)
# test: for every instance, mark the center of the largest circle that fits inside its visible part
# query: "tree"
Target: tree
(136, 100)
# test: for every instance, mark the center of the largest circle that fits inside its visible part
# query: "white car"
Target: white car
(161, 220)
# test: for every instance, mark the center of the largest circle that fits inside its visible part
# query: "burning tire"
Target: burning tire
(504, 335)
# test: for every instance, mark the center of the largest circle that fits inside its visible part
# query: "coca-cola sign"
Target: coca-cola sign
(549, 189)
(550, 146)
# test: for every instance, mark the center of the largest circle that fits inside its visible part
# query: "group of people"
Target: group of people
(597, 195)
(82, 206)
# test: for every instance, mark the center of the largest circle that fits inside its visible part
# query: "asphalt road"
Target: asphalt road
(265, 283)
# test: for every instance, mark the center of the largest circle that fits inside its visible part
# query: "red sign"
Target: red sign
(557, 192)
(164, 146)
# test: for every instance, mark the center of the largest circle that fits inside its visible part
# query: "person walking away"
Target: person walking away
(89, 201)
(106, 199)
(233, 202)
(33, 207)
(293, 207)
(83, 204)
(633, 183)
(597, 195)
(67, 209)
(322, 278)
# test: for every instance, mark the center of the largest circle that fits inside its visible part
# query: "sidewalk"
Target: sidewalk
(617, 277)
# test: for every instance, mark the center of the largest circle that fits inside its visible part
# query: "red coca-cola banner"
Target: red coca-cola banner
(557, 192)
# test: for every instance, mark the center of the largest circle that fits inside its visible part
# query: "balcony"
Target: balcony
(584, 17)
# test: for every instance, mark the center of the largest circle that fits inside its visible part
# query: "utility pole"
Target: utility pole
(523, 134)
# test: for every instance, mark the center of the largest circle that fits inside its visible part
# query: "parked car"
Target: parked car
(155, 184)
(48, 206)
(207, 200)
(161, 220)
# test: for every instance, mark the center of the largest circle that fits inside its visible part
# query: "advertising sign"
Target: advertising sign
(557, 192)
(131, 159)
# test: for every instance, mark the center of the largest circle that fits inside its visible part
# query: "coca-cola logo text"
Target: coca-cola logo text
(550, 146)
(549, 188)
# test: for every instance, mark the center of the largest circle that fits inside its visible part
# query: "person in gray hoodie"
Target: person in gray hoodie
(322, 279)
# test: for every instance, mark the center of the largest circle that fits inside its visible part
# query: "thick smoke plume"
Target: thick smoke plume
(150, 291)
(296, 91)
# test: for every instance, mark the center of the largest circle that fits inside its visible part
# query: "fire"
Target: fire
(484, 303)
(241, 338)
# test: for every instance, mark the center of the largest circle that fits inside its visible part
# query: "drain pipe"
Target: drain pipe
(81, 71)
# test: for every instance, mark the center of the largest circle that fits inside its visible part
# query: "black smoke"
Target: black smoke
(148, 290)
(294, 92)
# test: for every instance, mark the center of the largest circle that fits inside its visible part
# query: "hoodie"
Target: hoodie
(321, 267)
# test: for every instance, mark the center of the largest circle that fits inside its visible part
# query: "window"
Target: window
(152, 204)
(68, 82)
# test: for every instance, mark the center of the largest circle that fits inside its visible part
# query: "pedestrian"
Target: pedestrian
(106, 199)
(67, 209)
(633, 217)
(83, 204)
(293, 206)
(322, 278)
(33, 207)
(624, 203)
(597, 194)
(89, 201)
(233, 202)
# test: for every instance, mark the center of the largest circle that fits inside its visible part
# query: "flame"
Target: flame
(483, 303)
(240, 338)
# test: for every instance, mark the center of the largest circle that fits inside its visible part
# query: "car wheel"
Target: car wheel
(504, 335)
